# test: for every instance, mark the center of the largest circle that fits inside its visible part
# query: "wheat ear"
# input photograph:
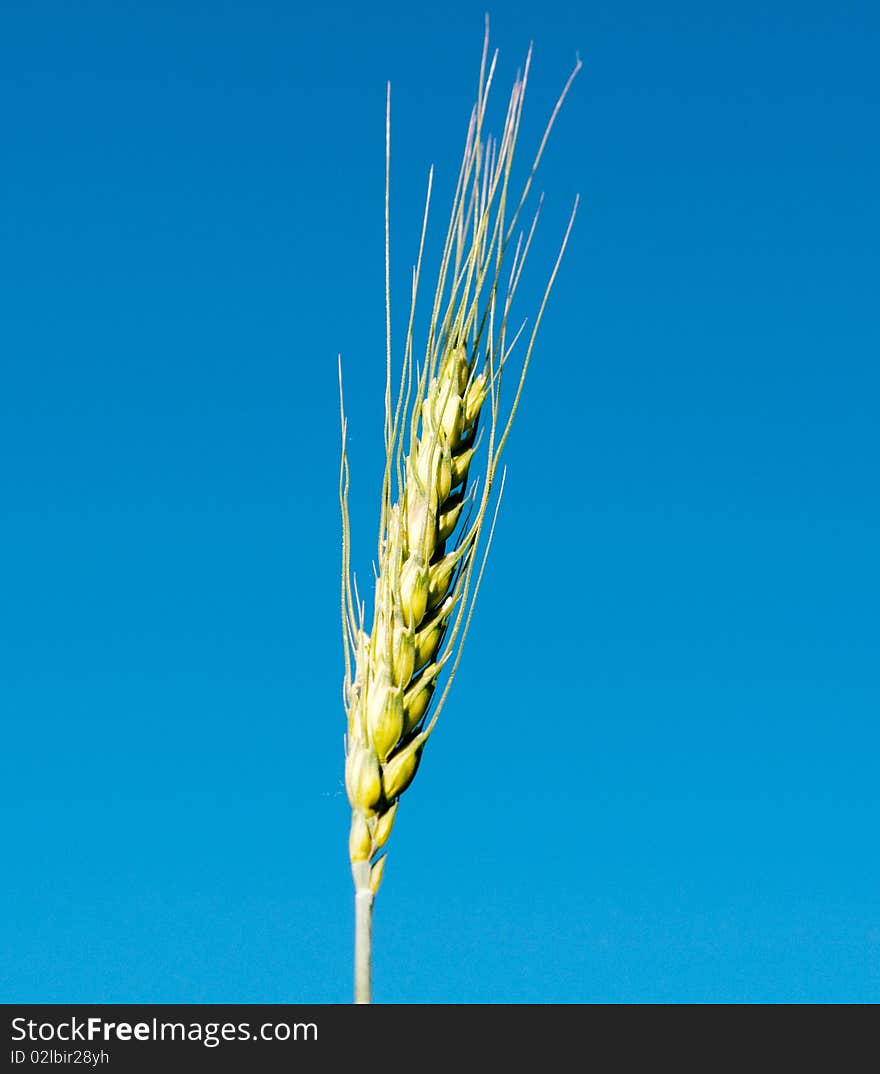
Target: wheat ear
(436, 523)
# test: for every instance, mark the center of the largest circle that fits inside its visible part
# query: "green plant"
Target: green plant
(436, 524)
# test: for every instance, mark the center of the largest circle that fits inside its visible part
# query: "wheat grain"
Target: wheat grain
(436, 524)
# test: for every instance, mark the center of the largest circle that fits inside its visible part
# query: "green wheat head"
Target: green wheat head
(444, 435)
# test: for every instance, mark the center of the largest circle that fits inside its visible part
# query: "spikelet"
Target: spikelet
(435, 513)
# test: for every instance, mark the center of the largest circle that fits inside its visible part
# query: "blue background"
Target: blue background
(656, 777)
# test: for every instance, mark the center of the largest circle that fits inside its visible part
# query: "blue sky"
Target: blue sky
(656, 777)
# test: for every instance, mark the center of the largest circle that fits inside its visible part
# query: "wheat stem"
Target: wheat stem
(363, 944)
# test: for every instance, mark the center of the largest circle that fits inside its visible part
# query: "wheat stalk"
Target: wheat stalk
(435, 508)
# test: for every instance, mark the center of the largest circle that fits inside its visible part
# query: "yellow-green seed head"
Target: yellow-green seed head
(416, 701)
(404, 652)
(384, 716)
(398, 773)
(440, 578)
(384, 824)
(434, 469)
(427, 644)
(456, 359)
(431, 552)
(429, 637)
(363, 778)
(460, 466)
(449, 520)
(360, 842)
(421, 525)
(426, 461)
(474, 398)
(414, 590)
(452, 417)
